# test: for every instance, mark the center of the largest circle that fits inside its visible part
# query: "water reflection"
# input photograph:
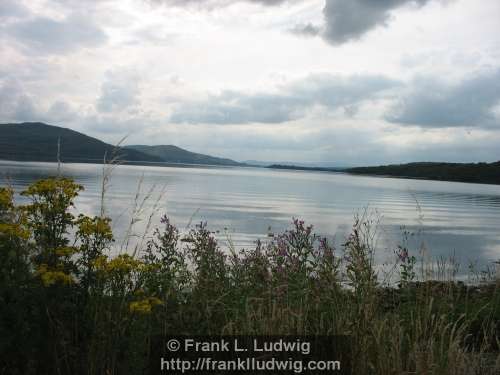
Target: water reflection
(450, 218)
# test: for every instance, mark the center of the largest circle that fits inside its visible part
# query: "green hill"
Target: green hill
(486, 173)
(36, 141)
(174, 154)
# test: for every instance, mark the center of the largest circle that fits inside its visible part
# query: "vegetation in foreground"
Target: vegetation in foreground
(69, 307)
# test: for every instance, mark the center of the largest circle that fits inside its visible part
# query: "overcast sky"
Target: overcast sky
(344, 81)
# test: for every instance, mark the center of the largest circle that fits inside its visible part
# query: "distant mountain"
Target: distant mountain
(311, 164)
(174, 154)
(485, 173)
(301, 168)
(36, 141)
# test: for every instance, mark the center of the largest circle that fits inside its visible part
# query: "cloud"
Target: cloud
(54, 55)
(152, 36)
(212, 4)
(292, 102)
(119, 91)
(307, 29)
(18, 105)
(436, 104)
(344, 20)
(15, 103)
(347, 20)
(42, 35)
(12, 9)
(61, 112)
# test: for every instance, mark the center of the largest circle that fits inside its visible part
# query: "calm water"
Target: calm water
(242, 203)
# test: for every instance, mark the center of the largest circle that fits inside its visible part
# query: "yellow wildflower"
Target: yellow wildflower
(14, 230)
(49, 186)
(65, 251)
(52, 277)
(123, 263)
(101, 262)
(144, 306)
(88, 226)
(6, 196)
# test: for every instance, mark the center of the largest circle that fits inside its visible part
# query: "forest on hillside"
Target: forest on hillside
(485, 173)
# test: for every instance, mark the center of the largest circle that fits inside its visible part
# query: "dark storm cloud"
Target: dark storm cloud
(347, 20)
(41, 35)
(435, 104)
(350, 19)
(292, 102)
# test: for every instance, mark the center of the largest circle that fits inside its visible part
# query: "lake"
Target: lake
(242, 205)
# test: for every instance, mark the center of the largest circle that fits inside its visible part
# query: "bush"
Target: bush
(68, 306)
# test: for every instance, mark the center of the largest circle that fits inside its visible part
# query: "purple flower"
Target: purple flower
(403, 255)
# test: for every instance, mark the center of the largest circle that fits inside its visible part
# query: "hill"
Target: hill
(485, 173)
(301, 168)
(174, 154)
(327, 165)
(36, 141)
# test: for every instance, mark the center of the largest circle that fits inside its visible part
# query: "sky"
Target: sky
(349, 82)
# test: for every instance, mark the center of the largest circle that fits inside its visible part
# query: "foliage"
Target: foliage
(485, 173)
(70, 305)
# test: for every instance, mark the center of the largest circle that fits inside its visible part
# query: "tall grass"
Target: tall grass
(69, 307)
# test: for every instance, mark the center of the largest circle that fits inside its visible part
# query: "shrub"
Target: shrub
(69, 306)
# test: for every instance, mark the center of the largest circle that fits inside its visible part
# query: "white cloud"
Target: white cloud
(229, 78)
(434, 103)
(291, 102)
(119, 91)
(43, 35)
